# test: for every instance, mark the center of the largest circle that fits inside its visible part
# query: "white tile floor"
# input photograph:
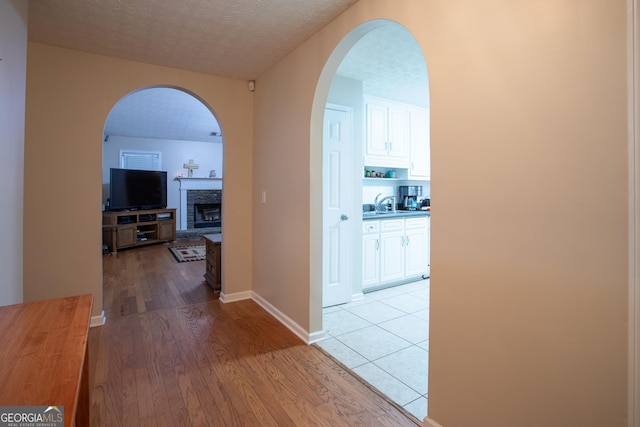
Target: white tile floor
(384, 338)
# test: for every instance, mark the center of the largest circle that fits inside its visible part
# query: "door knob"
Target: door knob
(344, 217)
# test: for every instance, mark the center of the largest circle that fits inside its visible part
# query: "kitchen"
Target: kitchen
(396, 171)
(380, 328)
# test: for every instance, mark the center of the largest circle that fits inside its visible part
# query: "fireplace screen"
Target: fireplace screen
(207, 215)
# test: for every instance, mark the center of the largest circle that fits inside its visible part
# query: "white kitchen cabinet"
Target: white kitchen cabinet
(419, 144)
(370, 253)
(395, 250)
(392, 250)
(417, 247)
(387, 129)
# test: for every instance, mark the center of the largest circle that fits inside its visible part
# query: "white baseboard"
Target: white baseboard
(282, 318)
(428, 422)
(317, 336)
(98, 320)
(238, 296)
(357, 297)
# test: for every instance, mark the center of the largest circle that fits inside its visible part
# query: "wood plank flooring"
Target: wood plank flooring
(171, 354)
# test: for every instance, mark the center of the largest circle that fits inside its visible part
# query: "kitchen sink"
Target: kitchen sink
(391, 213)
(372, 213)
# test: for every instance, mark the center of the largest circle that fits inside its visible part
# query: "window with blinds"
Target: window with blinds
(144, 160)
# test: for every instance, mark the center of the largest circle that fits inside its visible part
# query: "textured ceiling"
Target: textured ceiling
(390, 64)
(233, 38)
(162, 113)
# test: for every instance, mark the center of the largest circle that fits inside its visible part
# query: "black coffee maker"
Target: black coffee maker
(409, 195)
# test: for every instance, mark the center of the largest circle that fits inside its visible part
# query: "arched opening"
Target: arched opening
(377, 80)
(169, 133)
(168, 121)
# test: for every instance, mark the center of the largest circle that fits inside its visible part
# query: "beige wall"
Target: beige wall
(529, 250)
(69, 95)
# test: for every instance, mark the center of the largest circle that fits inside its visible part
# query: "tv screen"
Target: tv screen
(137, 189)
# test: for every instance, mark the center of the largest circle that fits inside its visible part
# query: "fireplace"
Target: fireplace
(207, 215)
(197, 190)
(204, 208)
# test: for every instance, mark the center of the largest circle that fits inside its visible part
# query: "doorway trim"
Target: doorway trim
(315, 170)
(633, 79)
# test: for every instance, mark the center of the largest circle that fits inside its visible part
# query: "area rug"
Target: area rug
(188, 253)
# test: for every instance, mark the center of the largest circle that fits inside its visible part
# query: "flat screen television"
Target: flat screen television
(132, 189)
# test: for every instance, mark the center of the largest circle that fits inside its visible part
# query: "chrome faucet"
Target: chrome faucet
(380, 203)
(375, 201)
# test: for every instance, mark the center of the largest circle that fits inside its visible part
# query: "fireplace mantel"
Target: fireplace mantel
(187, 184)
(200, 183)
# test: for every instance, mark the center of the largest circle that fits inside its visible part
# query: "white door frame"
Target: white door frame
(633, 65)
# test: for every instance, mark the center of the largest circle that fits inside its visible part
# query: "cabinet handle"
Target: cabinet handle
(377, 244)
(407, 240)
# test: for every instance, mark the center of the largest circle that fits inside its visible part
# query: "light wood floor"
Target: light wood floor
(171, 354)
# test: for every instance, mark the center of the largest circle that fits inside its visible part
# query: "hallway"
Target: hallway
(172, 354)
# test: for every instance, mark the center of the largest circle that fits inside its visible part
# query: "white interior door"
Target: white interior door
(337, 224)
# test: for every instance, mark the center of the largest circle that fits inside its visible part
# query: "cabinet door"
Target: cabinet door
(397, 135)
(391, 256)
(370, 260)
(166, 230)
(419, 149)
(428, 273)
(127, 236)
(417, 252)
(376, 130)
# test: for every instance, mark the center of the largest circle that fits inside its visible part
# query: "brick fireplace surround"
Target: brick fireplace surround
(203, 205)
(197, 190)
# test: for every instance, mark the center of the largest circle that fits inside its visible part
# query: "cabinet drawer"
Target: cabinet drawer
(391, 225)
(416, 222)
(370, 227)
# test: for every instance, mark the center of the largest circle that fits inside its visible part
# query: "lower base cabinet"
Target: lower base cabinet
(395, 250)
(417, 253)
(370, 253)
(392, 250)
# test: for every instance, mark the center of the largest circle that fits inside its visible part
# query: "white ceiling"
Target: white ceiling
(232, 38)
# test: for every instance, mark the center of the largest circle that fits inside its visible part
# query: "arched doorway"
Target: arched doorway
(379, 62)
(168, 121)
(170, 131)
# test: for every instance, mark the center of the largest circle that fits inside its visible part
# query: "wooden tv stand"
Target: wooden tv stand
(127, 229)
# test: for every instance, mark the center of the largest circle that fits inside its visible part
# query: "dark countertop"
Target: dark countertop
(391, 214)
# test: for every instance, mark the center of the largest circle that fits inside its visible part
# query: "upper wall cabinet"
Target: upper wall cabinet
(419, 145)
(387, 131)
